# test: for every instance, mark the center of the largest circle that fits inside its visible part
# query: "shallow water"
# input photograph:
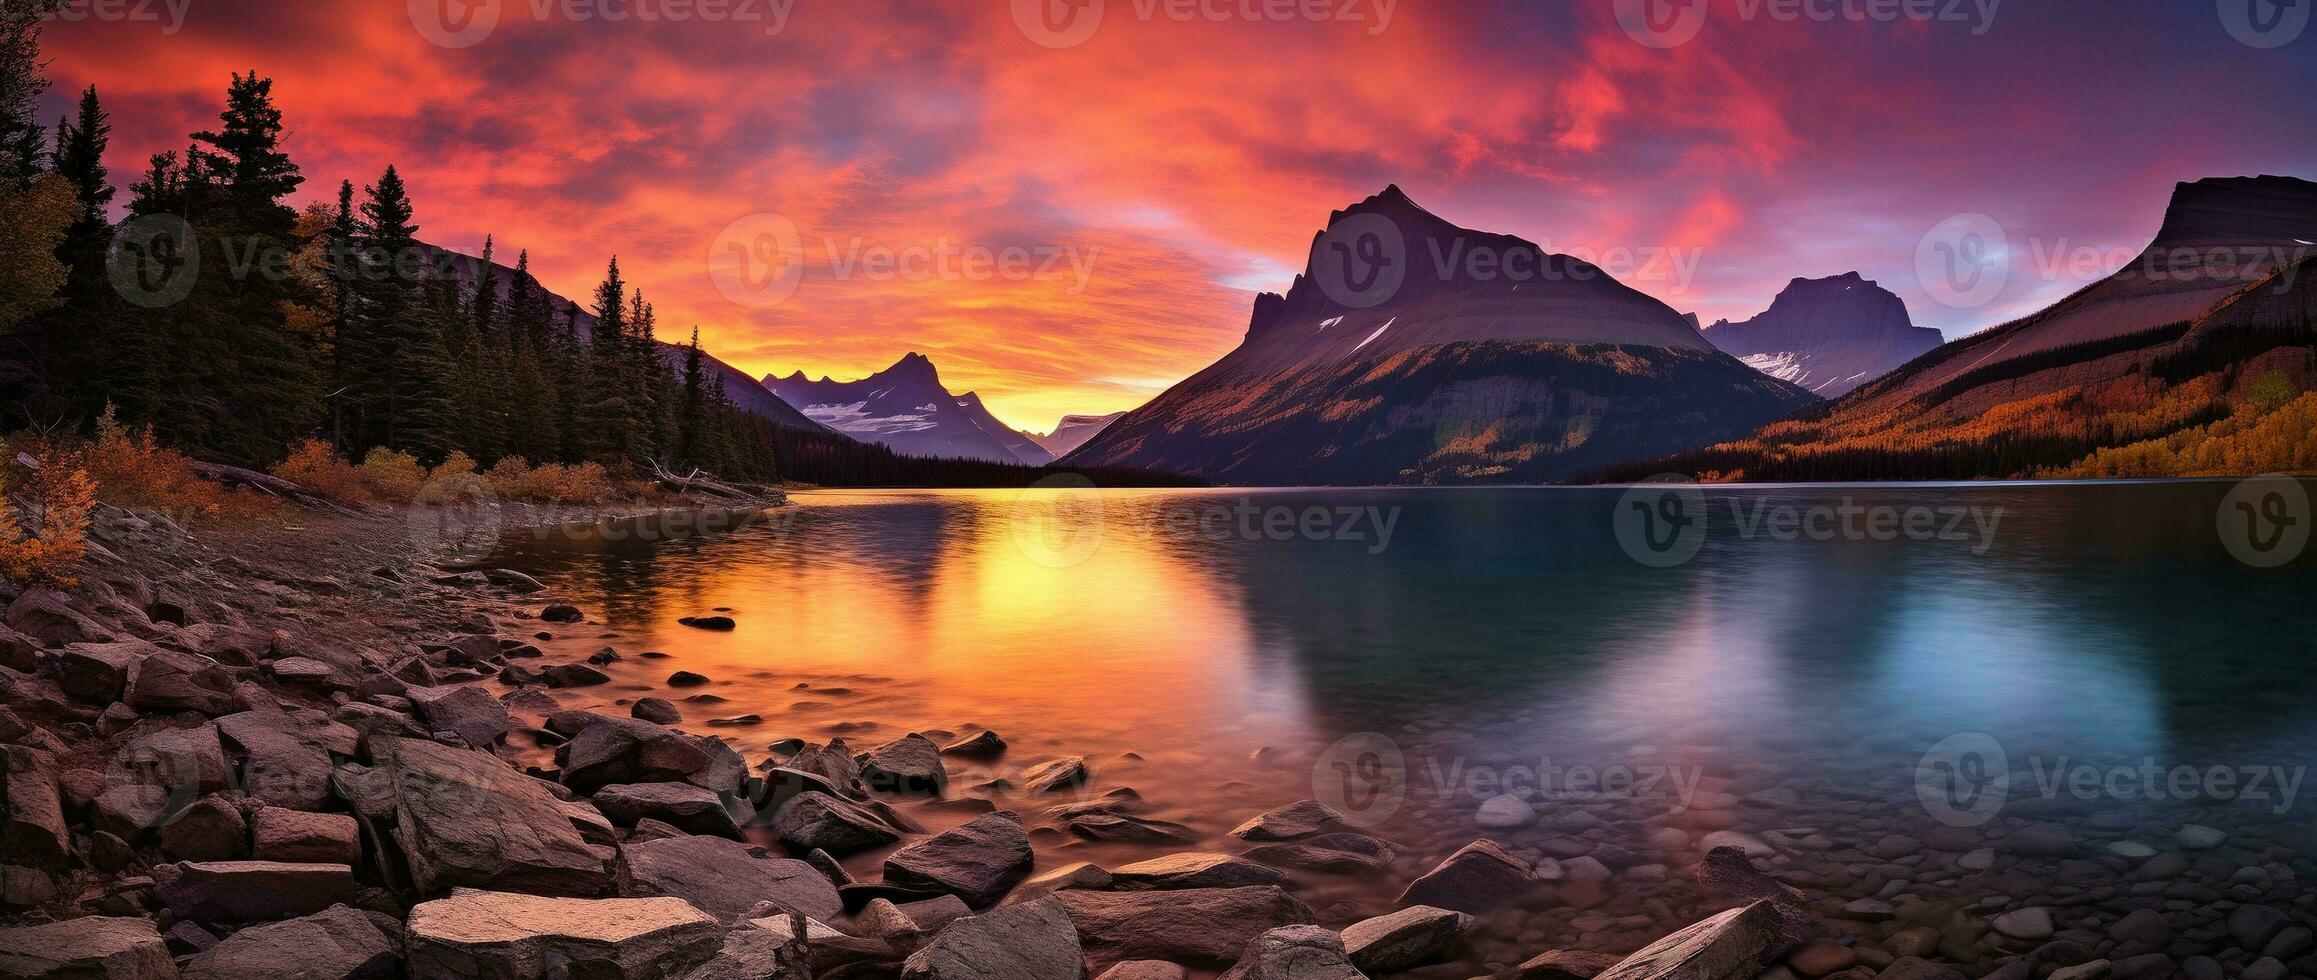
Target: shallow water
(1408, 653)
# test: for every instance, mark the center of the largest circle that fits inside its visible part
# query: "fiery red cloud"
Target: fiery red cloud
(1149, 178)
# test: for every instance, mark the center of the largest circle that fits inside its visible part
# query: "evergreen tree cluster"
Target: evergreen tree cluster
(235, 326)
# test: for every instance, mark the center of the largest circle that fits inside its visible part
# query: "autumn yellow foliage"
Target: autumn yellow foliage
(45, 534)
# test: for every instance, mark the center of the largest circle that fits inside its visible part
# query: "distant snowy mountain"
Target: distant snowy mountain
(1073, 432)
(1827, 335)
(905, 408)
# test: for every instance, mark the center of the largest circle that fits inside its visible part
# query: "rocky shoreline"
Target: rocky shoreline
(330, 749)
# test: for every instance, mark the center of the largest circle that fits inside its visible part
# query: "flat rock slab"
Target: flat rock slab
(1566, 964)
(680, 805)
(92, 948)
(1294, 821)
(1195, 870)
(1030, 941)
(279, 834)
(464, 818)
(1208, 927)
(1395, 942)
(339, 944)
(250, 891)
(499, 934)
(726, 878)
(1733, 945)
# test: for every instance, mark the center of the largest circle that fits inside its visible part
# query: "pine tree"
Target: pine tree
(83, 331)
(395, 336)
(691, 405)
(607, 410)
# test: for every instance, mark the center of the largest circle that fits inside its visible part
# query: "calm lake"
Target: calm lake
(1857, 683)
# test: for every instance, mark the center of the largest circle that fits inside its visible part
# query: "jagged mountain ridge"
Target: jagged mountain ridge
(906, 409)
(1452, 377)
(1827, 335)
(2125, 377)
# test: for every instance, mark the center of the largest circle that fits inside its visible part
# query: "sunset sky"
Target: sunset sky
(1183, 163)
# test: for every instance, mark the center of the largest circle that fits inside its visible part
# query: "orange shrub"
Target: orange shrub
(318, 468)
(57, 540)
(393, 476)
(131, 470)
(514, 478)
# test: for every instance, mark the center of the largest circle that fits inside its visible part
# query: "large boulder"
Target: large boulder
(1195, 870)
(465, 818)
(833, 762)
(336, 944)
(909, 765)
(1208, 927)
(1395, 942)
(505, 935)
(250, 891)
(818, 821)
(209, 830)
(99, 672)
(286, 755)
(726, 878)
(1295, 953)
(978, 862)
(470, 712)
(609, 750)
(683, 806)
(173, 680)
(1474, 879)
(1030, 941)
(48, 616)
(32, 829)
(1734, 945)
(158, 769)
(92, 948)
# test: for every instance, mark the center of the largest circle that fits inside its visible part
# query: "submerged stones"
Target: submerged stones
(1294, 821)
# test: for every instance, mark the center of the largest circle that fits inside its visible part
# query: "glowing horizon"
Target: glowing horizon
(1160, 170)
